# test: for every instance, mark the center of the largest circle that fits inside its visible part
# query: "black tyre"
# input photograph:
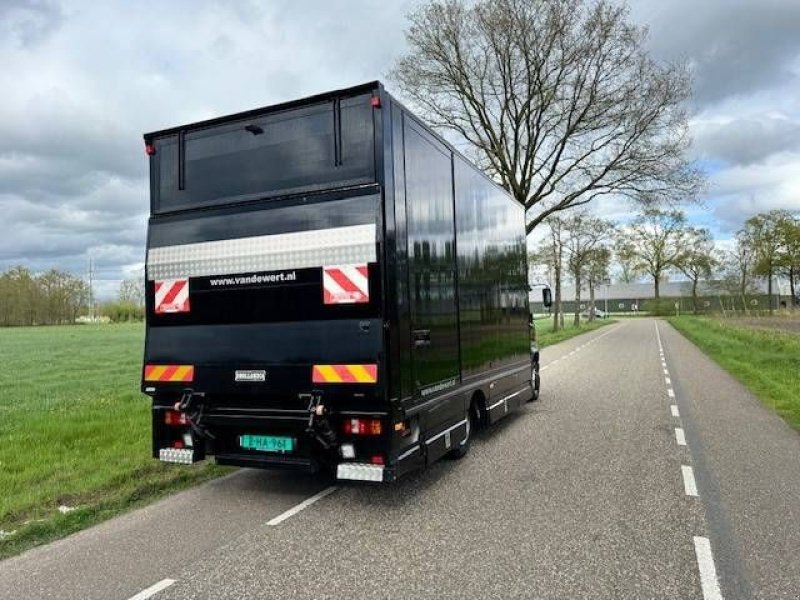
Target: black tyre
(536, 382)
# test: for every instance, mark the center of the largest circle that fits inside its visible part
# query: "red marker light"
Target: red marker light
(149, 149)
(376, 460)
(362, 427)
(375, 102)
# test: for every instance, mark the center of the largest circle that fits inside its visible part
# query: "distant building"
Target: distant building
(630, 297)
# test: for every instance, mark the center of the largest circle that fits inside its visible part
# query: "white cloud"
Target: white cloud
(83, 80)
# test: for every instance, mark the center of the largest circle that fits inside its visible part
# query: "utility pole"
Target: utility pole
(91, 290)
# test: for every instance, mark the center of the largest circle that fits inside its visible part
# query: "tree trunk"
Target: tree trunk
(557, 299)
(769, 291)
(694, 295)
(657, 281)
(591, 300)
(793, 299)
(577, 320)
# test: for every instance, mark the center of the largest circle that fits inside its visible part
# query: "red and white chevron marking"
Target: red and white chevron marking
(172, 296)
(345, 284)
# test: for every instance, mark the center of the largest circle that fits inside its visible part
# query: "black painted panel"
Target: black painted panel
(431, 255)
(492, 272)
(292, 151)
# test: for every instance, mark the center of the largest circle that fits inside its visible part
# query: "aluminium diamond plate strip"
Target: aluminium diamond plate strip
(296, 250)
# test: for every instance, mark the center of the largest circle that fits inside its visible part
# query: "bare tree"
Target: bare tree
(551, 253)
(557, 99)
(584, 234)
(625, 255)
(763, 233)
(132, 291)
(657, 240)
(698, 259)
(789, 261)
(597, 272)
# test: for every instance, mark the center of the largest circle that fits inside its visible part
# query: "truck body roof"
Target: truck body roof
(264, 110)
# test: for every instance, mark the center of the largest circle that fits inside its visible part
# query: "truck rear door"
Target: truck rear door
(268, 300)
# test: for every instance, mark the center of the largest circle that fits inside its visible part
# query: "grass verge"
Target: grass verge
(545, 336)
(75, 433)
(767, 362)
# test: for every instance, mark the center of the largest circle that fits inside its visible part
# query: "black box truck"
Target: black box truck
(330, 286)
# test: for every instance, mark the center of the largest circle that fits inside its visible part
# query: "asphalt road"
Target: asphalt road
(589, 493)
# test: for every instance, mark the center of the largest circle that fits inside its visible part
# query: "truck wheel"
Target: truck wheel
(461, 450)
(536, 381)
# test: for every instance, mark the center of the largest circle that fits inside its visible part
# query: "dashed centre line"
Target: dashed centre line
(689, 484)
(153, 590)
(708, 572)
(303, 505)
(709, 582)
(680, 436)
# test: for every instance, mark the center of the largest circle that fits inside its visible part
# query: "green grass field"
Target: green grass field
(75, 431)
(767, 362)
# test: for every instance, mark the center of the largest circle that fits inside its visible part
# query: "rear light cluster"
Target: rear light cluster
(175, 418)
(362, 427)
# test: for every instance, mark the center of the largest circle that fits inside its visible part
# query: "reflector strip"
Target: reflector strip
(359, 472)
(183, 456)
(169, 373)
(347, 284)
(172, 296)
(344, 374)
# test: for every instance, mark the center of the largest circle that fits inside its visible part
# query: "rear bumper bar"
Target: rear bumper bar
(291, 463)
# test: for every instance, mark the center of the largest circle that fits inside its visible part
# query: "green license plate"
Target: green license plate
(267, 443)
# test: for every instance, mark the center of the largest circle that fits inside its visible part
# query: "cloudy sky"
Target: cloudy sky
(83, 80)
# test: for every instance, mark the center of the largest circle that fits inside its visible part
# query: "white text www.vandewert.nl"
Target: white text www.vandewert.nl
(254, 279)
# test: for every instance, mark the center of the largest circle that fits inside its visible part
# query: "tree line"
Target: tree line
(58, 298)
(50, 298)
(585, 248)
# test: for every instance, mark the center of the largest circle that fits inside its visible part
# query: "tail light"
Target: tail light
(175, 418)
(376, 460)
(362, 427)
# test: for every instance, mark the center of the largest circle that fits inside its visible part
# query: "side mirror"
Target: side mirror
(547, 298)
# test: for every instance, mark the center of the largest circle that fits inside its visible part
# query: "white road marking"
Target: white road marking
(153, 590)
(667, 380)
(303, 505)
(674, 409)
(666, 372)
(577, 349)
(670, 393)
(708, 572)
(689, 484)
(680, 436)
